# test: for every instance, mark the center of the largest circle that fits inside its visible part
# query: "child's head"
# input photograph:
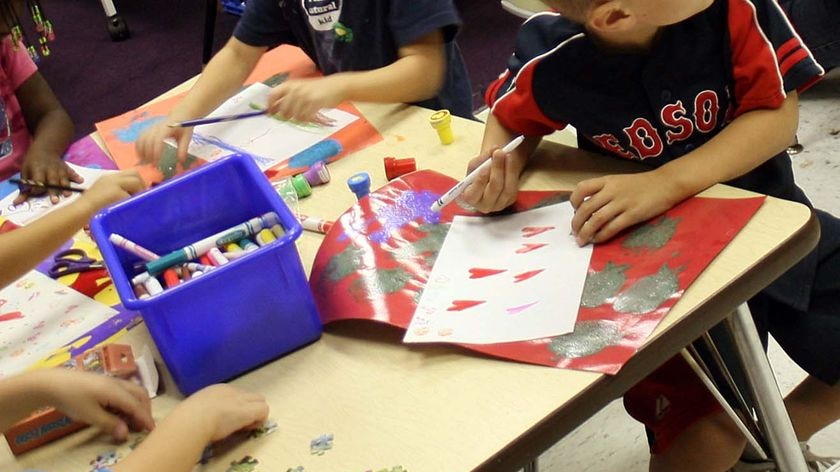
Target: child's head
(628, 13)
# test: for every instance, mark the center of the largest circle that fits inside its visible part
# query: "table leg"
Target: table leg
(772, 415)
(209, 30)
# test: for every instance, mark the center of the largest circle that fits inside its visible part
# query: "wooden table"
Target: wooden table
(440, 408)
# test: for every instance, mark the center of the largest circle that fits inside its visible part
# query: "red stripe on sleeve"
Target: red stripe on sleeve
(758, 82)
(787, 47)
(792, 60)
(492, 93)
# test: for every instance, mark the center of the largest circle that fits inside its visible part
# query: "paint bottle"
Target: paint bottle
(441, 121)
(359, 184)
(396, 167)
(301, 186)
(317, 174)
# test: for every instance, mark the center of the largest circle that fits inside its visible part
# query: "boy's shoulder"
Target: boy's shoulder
(544, 32)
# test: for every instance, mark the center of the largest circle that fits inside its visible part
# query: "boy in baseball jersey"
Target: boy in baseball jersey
(702, 92)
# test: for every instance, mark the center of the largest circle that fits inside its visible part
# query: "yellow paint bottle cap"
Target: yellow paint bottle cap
(441, 121)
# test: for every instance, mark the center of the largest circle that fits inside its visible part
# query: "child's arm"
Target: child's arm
(21, 249)
(416, 75)
(112, 405)
(222, 77)
(495, 188)
(51, 130)
(208, 415)
(609, 204)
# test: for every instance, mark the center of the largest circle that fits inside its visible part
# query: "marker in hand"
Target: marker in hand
(459, 188)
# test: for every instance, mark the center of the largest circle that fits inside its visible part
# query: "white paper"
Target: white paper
(503, 279)
(38, 315)
(268, 140)
(36, 207)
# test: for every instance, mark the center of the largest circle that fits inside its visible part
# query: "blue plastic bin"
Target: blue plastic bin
(235, 317)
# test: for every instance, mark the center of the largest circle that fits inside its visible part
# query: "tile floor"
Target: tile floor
(611, 440)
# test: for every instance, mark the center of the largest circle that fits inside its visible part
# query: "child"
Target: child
(701, 91)
(34, 128)
(114, 405)
(374, 51)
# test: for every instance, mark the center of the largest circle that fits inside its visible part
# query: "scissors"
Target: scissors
(72, 261)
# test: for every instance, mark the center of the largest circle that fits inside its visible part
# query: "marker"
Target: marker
(455, 191)
(278, 231)
(132, 247)
(264, 237)
(218, 119)
(315, 224)
(170, 278)
(221, 238)
(247, 245)
(44, 185)
(153, 286)
(216, 257)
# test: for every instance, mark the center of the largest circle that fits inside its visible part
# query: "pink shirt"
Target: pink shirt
(15, 68)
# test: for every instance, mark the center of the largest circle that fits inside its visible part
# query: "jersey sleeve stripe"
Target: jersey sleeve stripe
(792, 59)
(788, 47)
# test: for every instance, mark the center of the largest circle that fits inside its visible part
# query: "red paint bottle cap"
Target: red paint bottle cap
(396, 167)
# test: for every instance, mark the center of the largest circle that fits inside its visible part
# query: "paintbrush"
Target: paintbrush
(217, 119)
(43, 185)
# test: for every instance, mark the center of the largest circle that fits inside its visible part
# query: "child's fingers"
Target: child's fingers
(52, 177)
(132, 401)
(74, 176)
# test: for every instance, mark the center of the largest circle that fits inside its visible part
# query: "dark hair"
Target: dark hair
(43, 26)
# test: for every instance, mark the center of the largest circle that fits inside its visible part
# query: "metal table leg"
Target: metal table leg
(772, 415)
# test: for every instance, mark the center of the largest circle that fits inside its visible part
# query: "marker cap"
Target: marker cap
(301, 186)
(157, 266)
(396, 167)
(359, 184)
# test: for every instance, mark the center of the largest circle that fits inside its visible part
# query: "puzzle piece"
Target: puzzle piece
(267, 428)
(321, 444)
(246, 464)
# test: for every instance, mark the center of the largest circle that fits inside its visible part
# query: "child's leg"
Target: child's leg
(712, 444)
(812, 406)
(687, 428)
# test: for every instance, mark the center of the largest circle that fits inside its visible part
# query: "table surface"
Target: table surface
(443, 408)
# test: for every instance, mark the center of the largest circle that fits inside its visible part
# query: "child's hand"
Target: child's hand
(46, 168)
(110, 404)
(496, 187)
(604, 206)
(303, 99)
(224, 409)
(112, 188)
(150, 144)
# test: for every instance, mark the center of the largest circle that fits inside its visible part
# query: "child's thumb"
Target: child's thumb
(111, 424)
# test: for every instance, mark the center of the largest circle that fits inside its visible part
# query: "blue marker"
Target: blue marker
(359, 184)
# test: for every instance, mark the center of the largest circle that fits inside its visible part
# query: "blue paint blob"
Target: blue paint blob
(319, 151)
(136, 128)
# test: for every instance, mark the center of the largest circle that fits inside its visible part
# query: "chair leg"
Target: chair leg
(209, 30)
(795, 148)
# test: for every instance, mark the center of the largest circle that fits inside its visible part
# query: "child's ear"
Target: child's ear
(611, 16)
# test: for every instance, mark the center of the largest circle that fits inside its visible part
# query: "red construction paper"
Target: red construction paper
(120, 132)
(374, 263)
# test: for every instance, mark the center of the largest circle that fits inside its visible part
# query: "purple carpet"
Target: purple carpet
(96, 78)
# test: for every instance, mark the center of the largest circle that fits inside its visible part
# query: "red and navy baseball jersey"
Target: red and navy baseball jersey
(653, 106)
(657, 105)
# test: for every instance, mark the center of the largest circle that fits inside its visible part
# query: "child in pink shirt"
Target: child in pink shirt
(34, 128)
